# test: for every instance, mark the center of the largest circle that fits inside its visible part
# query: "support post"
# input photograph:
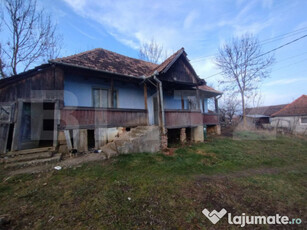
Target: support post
(182, 102)
(112, 93)
(197, 98)
(17, 120)
(145, 96)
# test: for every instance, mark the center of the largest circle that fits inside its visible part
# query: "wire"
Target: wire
(270, 51)
(263, 42)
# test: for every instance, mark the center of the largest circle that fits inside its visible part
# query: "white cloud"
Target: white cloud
(285, 81)
(188, 21)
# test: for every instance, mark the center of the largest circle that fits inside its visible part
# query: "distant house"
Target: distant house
(86, 100)
(262, 115)
(292, 117)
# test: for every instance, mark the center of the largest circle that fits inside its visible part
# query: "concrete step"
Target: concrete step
(28, 157)
(29, 151)
(24, 164)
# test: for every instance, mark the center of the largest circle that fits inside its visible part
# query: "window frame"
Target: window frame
(109, 99)
(93, 96)
(303, 117)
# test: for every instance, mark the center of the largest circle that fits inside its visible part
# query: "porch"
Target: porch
(90, 117)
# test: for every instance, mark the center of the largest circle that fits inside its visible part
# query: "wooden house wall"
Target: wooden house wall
(32, 87)
(180, 71)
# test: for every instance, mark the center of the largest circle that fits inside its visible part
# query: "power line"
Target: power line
(270, 51)
(263, 42)
(282, 36)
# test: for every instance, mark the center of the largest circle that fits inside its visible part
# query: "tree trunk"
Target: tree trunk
(243, 110)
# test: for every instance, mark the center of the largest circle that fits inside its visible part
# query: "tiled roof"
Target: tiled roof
(207, 88)
(105, 60)
(296, 108)
(264, 110)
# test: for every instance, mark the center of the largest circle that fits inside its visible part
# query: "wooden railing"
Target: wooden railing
(210, 119)
(89, 117)
(182, 118)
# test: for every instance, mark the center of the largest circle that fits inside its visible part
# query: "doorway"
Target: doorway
(37, 125)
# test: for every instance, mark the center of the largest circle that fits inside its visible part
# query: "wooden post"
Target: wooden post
(17, 126)
(145, 96)
(112, 93)
(56, 123)
(182, 102)
(216, 105)
(197, 98)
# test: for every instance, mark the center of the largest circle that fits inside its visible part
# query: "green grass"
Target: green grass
(155, 191)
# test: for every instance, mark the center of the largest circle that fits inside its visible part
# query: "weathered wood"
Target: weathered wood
(145, 96)
(4, 132)
(210, 119)
(182, 118)
(112, 93)
(16, 131)
(180, 71)
(42, 85)
(94, 118)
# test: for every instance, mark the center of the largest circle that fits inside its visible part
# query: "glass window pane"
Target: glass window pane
(104, 98)
(96, 98)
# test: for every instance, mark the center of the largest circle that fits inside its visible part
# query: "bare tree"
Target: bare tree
(243, 66)
(31, 36)
(151, 51)
(229, 107)
(255, 99)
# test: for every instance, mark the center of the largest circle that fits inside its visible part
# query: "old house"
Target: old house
(293, 117)
(260, 116)
(89, 99)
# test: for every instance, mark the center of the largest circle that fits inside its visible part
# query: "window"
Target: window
(102, 98)
(114, 98)
(304, 120)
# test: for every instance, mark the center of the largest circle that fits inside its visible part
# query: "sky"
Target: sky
(200, 26)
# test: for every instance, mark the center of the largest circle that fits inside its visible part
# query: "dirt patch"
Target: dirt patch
(67, 163)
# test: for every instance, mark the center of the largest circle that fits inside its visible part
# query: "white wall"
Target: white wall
(292, 123)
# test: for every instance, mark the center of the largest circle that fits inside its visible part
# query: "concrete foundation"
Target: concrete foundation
(101, 137)
(164, 141)
(214, 130)
(183, 135)
(197, 134)
(80, 140)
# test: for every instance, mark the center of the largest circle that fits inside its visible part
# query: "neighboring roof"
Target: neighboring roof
(105, 60)
(265, 111)
(296, 108)
(208, 89)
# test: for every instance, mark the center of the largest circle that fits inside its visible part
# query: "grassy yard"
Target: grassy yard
(155, 191)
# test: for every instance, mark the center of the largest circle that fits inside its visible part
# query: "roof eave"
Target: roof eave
(139, 78)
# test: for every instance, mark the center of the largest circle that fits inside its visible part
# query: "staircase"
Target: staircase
(30, 157)
(137, 140)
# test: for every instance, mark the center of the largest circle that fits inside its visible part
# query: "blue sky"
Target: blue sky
(200, 26)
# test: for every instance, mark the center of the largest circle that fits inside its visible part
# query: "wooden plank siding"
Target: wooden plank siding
(47, 84)
(210, 119)
(89, 117)
(182, 118)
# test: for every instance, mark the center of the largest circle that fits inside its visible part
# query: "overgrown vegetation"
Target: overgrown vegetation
(155, 191)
